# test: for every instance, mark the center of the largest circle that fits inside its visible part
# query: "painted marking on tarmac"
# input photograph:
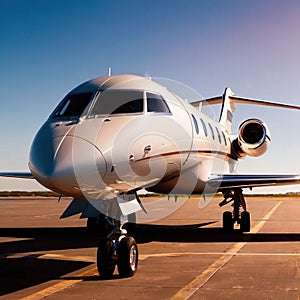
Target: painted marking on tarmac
(84, 258)
(193, 286)
(142, 257)
(59, 286)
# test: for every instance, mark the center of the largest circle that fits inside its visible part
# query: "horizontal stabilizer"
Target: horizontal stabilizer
(240, 100)
(263, 102)
(228, 101)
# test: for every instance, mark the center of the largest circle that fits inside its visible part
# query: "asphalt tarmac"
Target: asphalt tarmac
(185, 255)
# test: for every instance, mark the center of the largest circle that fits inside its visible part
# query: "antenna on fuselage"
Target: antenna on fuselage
(109, 71)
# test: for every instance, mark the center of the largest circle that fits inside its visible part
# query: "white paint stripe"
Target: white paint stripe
(193, 286)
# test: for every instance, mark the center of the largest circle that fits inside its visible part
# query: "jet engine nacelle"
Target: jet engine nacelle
(253, 139)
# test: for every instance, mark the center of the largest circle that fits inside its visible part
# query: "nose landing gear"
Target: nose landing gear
(241, 218)
(117, 249)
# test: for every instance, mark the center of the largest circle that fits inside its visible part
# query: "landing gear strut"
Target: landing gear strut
(229, 218)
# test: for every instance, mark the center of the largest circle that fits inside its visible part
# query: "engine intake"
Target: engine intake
(253, 139)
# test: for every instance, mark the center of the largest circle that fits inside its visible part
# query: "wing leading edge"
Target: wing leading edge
(232, 181)
(23, 175)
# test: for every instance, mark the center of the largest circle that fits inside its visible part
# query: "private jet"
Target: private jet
(113, 136)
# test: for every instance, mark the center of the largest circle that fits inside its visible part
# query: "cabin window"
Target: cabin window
(224, 137)
(219, 136)
(204, 127)
(156, 103)
(112, 102)
(195, 124)
(73, 105)
(212, 131)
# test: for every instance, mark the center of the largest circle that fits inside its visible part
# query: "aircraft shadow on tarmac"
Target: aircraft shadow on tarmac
(59, 238)
(17, 273)
(197, 233)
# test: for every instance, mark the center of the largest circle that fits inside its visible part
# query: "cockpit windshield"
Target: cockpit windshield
(156, 104)
(73, 105)
(111, 102)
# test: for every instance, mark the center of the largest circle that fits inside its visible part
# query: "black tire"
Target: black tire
(245, 221)
(227, 221)
(106, 258)
(127, 257)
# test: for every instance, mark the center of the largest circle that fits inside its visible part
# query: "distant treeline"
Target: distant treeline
(28, 194)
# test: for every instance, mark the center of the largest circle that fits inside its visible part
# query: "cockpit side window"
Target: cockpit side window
(112, 102)
(156, 103)
(73, 105)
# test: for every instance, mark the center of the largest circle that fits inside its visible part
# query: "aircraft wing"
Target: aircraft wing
(231, 181)
(23, 175)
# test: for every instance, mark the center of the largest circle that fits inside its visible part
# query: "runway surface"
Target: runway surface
(185, 255)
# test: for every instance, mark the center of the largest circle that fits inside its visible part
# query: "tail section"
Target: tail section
(227, 110)
(229, 99)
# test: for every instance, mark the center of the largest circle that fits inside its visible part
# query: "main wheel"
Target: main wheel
(106, 258)
(245, 221)
(227, 221)
(127, 257)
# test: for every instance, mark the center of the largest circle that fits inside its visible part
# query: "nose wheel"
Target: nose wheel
(127, 257)
(117, 249)
(230, 218)
(106, 258)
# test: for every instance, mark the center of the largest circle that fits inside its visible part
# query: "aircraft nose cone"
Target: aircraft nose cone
(42, 152)
(66, 164)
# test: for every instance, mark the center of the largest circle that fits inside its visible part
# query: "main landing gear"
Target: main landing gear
(230, 218)
(117, 249)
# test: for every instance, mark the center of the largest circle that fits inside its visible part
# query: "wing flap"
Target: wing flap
(232, 181)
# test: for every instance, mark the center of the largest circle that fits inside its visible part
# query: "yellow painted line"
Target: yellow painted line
(60, 286)
(193, 286)
(143, 257)
(258, 226)
(84, 258)
(228, 253)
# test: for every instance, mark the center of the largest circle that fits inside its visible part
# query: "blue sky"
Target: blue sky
(49, 47)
